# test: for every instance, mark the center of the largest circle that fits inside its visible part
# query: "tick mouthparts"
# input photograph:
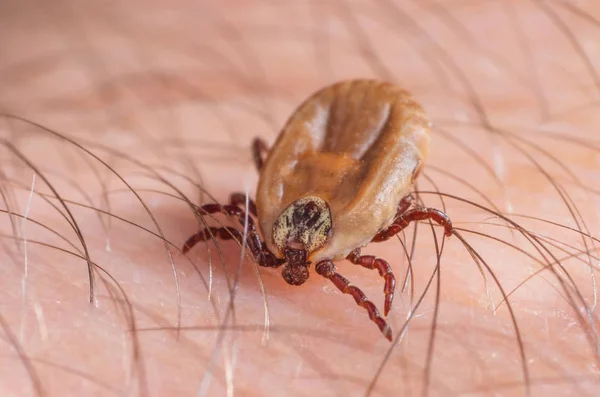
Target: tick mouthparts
(295, 274)
(295, 271)
(296, 257)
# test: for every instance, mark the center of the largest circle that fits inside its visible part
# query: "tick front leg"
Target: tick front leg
(262, 256)
(385, 271)
(259, 152)
(402, 220)
(327, 269)
(258, 249)
(222, 233)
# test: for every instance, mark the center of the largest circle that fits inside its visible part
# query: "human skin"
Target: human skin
(170, 95)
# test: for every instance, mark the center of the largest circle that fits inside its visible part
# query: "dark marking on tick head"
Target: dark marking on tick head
(303, 225)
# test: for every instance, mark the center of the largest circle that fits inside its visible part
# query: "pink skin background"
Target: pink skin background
(177, 90)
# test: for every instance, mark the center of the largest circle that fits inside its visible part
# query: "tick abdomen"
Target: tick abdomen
(356, 145)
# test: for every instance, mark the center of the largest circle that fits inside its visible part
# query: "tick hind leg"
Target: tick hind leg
(261, 254)
(406, 215)
(259, 152)
(385, 271)
(327, 269)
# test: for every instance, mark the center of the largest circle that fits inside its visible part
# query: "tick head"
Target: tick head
(302, 228)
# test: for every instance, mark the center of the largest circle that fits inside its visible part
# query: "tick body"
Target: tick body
(338, 177)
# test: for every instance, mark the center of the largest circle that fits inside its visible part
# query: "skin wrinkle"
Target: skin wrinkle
(210, 76)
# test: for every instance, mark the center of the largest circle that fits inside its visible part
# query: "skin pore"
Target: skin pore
(161, 100)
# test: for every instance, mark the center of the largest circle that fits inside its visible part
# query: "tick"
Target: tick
(338, 177)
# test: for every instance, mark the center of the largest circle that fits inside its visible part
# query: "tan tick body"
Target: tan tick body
(338, 177)
(356, 145)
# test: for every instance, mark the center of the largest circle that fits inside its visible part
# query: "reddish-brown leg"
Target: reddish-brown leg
(222, 233)
(404, 205)
(327, 269)
(239, 199)
(385, 271)
(259, 151)
(405, 216)
(261, 254)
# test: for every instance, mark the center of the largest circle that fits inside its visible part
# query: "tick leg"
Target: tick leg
(385, 271)
(259, 151)
(239, 199)
(223, 233)
(403, 219)
(327, 269)
(261, 254)
(404, 204)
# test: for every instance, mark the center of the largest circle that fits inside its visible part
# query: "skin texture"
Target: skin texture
(173, 93)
